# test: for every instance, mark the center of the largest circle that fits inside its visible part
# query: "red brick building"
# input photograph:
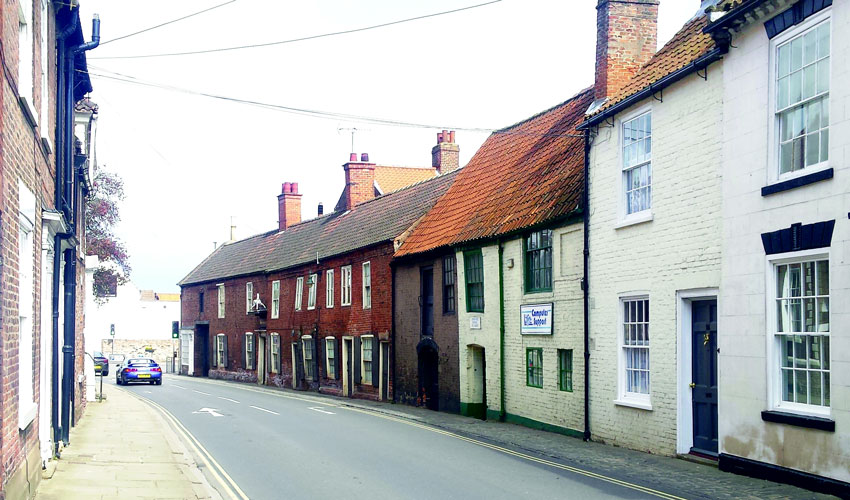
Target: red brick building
(43, 181)
(323, 319)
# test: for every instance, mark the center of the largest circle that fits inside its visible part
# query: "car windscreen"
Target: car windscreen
(141, 362)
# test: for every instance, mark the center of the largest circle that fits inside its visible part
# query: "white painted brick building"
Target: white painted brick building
(766, 426)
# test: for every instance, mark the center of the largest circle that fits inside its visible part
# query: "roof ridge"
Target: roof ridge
(547, 110)
(432, 179)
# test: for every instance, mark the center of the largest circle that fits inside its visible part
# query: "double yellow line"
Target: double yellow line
(530, 458)
(218, 472)
(207, 457)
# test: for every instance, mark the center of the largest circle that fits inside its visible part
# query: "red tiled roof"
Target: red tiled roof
(524, 175)
(688, 45)
(391, 179)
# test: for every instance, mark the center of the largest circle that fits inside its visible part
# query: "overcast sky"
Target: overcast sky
(190, 162)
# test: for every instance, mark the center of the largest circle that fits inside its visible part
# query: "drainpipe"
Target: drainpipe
(62, 63)
(72, 199)
(392, 328)
(502, 412)
(585, 285)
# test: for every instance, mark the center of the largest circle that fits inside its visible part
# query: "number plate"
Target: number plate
(98, 367)
(144, 375)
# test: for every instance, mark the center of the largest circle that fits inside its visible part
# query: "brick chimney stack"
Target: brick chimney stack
(626, 38)
(445, 156)
(288, 205)
(359, 180)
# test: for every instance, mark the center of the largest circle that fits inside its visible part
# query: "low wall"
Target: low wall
(160, 351)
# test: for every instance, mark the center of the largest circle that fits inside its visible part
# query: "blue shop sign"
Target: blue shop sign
(536, 319)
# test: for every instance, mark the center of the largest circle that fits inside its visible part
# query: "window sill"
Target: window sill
(47, 144)
(538, 292)
(29, 110)
(638, 218)
(803, 180)
(640, 405)
(798, 420)
(26, 414)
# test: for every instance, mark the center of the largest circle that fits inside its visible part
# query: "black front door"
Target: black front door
(704, 386)
(202, 336)
(426, 299)
(429, 388)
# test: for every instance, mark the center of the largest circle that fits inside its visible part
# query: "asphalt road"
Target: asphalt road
(277, 445)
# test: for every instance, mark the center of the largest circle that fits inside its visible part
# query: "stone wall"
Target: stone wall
(162, 349)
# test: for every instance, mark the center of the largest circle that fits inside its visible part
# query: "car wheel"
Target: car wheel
(159, 382)
(123, 380)
(117, 379)
(152, 382)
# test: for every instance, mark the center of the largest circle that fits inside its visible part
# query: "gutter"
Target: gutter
(699, 64)
(392, 328)
(731, 17)
(585, 285)
(502, 411)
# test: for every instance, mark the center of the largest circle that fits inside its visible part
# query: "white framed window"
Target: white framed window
(27, 207)
(307, 346)
(330, 357)
(634, 376)
(299, 290)
(366, 358)
(329, 288)
(345, 285)
(799, 332)
(249, 296)
(25, 57)
(221, 350)
(636, 144)
(43, 112)
(275, 299)
(311, 290)
(249, 351)
(220, 287)
(367, 285)
(274, 350)
(800, 65)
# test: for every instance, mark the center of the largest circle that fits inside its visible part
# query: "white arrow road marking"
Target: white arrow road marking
(202, 392)
(263, 409)
(148, 392)
(177, 386)
(228, 399)
(321, 410)
(211, 411)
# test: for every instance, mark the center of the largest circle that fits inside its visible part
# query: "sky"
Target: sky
(191, 164)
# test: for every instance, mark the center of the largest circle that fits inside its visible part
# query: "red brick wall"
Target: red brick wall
(22, 157)
(340, 320)
(626, 38)
(359, 183)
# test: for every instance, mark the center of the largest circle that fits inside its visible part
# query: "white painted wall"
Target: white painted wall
(744, 350)
(678, 250)
(133, 318)
(549, 405)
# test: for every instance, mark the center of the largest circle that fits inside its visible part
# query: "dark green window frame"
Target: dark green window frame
(534, 367)
(565, 370)
(473, 270)
(537, 248)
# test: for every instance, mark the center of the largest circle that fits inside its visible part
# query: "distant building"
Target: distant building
(323, 319)
(129, 317)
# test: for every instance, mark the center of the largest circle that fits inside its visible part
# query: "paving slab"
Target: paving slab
(122, 448)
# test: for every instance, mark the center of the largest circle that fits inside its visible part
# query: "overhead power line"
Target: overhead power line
(128, 35)
(293, 40)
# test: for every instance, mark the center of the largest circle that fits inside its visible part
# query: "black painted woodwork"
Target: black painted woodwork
(704, 372)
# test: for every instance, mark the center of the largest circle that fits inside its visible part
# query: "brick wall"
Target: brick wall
(679, 249)
(549, 404)
(408, 335)
(746, 371)
(22, 158)
(337, 321)
(626, 38)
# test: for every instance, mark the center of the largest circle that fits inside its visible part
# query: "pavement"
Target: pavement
(122, 448)
(116, 451)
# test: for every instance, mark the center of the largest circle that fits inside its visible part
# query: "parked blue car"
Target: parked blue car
(139, 370)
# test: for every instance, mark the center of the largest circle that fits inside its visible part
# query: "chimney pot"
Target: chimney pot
(452, 136)
(352, 157)
(294, 188)
(439, 137)
(284, 188)
(364, 157)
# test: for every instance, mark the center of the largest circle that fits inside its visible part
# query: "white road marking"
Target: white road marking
(228, 399)
(263, 409)
(321, 410)
(211, 411)
(202, 392)
(148, 392)
(177, 386)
